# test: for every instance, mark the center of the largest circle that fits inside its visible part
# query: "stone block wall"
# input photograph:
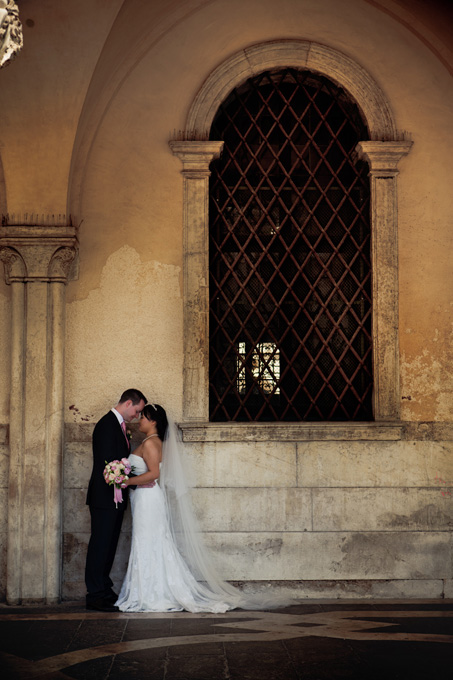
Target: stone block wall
(76, 516)
(319, 518)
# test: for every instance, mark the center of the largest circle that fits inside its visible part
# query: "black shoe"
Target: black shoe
(102, 605)
(112, 598)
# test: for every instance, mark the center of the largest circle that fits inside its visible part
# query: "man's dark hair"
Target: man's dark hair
(134, 395)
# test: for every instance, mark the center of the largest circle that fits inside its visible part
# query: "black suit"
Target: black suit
(109, 443)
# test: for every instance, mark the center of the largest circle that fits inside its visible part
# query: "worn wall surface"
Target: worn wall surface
(88, 109)
(86, 122)
(331, 519)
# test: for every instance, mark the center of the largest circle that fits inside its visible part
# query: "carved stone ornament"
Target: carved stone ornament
(61, 262)
(11, 39)
(37, 253)
(196, 156)
(13, 263)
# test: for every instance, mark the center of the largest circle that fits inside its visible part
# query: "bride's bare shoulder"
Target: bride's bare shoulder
(152, 448)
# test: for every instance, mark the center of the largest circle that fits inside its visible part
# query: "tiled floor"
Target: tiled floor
(316, 640)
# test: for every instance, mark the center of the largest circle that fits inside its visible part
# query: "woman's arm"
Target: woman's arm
(139, 480)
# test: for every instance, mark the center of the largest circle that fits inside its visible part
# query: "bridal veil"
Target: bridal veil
(175, 483)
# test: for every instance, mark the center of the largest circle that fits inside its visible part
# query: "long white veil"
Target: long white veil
(186, 533)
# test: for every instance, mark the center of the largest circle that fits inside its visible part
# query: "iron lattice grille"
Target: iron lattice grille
(290, 272)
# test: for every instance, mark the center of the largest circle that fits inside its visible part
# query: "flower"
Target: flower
(116, 472)
(127, 465)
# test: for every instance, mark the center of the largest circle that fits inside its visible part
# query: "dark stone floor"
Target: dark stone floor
(316, 640)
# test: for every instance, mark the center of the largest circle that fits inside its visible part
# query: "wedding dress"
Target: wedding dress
(158, 579)
(170, 568)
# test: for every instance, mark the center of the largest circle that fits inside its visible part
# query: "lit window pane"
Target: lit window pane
(265, 367)
(241, 385)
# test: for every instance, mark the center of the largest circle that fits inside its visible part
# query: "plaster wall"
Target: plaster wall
(154, 99)
(42, 97)
(87, 112)
(131, 189)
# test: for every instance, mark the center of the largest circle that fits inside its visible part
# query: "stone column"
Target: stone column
(383, 159)
(37, 263)
(196, 157)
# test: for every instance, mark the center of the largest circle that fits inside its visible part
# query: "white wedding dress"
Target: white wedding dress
(158, 578)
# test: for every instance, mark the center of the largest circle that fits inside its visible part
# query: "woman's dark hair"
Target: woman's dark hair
(157, 413)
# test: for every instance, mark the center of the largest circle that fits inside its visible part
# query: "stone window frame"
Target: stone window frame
(382, 154)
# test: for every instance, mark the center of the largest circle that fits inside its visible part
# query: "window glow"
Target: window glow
(265, 367)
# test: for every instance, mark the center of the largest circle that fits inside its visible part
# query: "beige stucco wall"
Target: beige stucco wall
(133, 138)
(88, 109)
(125, 332)
(131, 189)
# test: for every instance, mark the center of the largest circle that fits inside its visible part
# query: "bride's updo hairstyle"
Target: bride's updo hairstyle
(157, 413)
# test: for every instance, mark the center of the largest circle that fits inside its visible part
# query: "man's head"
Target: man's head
(131, 404)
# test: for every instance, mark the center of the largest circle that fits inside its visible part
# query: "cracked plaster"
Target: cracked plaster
(427, 381)
(141, 348)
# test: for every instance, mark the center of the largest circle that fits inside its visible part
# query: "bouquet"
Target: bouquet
(115, 473)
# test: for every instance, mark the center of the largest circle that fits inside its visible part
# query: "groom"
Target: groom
(109, 443)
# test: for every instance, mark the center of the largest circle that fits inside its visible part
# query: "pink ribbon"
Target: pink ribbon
(117, 496)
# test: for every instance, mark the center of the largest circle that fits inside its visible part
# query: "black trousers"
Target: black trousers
(105, 532)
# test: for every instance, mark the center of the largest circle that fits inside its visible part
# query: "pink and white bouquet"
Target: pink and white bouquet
(116, 472)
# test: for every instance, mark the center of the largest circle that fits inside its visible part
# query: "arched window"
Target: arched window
(289, 254)
(381, 148)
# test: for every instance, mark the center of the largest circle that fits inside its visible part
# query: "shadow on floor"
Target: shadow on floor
(315, 640)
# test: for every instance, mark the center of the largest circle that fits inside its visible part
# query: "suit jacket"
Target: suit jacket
(109, 443)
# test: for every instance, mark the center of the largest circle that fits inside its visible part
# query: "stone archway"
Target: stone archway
(299, 54)
(382, 154)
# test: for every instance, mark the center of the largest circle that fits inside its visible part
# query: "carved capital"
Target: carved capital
(60, 263)
(14, 265)
(36, 253)
(196, 156)
(383, 157)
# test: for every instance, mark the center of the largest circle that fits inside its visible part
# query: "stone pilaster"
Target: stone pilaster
(37, 262)
(383, 159)
(196, 157)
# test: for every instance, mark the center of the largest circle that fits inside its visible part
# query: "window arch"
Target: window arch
(382, 153)
(290, 271)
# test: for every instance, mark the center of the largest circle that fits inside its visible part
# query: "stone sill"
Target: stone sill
(297, 432)
(212, 432)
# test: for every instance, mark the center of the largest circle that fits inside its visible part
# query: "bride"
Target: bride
(169, 569)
